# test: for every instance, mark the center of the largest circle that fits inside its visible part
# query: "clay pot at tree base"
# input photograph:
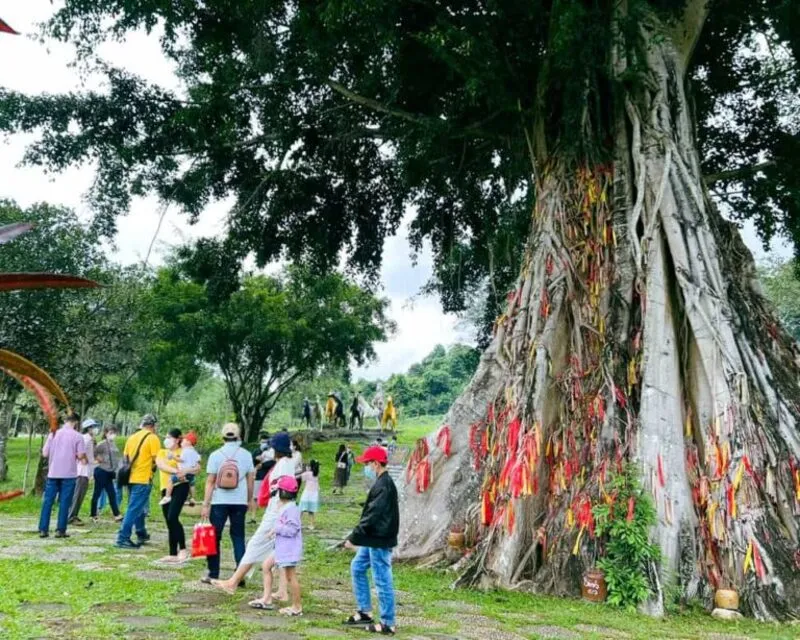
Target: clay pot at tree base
(456, 538)
(726, 599)
(593, 585)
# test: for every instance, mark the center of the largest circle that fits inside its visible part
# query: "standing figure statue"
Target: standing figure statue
(378, 404)
(389, 415)
(316, 414)
(307, 412)
(355, 413)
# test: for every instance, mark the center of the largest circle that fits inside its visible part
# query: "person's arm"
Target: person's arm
(165, 465)
(46, 448)
(251, 483)
(288, 526)
(80, 452)
(211, 480)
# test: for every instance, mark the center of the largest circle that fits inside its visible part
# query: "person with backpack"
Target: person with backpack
(228, 494)
(136, 472)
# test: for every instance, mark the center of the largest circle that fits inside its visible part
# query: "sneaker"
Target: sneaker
(126, 544)
(44, 534)
(143, 539)
(165, 500)
(119, 518)
(62, 534)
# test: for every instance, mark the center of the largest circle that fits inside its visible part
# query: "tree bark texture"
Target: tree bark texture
(637, 333)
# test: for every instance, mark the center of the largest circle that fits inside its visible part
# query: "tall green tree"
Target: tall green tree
(36, 323)
(270, 331)
(633, 330)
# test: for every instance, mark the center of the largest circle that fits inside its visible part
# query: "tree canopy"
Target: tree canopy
(328, 120)
(268, 332)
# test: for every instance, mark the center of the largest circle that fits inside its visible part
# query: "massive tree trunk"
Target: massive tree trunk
(637, 333)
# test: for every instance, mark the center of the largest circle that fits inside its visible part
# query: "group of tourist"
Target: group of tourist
(230, 491)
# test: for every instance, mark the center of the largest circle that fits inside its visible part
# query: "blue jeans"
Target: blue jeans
(138, 501)
(64, 488)
(381, 562)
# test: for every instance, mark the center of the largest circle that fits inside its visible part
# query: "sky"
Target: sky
(36, 68)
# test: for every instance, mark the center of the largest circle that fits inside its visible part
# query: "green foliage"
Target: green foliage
(430, 386)
(629, 554)
(269, 331)
(782, 288)
(316, 118)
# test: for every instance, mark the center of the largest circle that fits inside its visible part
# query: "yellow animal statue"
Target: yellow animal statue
(330, 409)
(389, 415)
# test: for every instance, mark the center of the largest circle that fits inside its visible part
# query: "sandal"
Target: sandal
(261, 605)
(381, 629)
(222, 587)
(292, 613)
(359, 618)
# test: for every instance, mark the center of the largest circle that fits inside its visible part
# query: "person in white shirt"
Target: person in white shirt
(85, 471)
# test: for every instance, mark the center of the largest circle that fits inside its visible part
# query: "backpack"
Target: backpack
(228, 474)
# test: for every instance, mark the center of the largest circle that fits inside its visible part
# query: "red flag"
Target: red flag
(5, 28)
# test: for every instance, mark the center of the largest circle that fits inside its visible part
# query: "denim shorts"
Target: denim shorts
(189, 477)
(287, 565)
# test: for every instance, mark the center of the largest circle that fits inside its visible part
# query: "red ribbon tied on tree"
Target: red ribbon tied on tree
(444, 440)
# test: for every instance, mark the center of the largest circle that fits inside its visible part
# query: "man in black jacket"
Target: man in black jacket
(373, 540)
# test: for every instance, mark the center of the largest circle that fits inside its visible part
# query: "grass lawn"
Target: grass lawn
(84, 588)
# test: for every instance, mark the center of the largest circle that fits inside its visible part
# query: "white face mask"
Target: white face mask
(110, 437)
(169, 443)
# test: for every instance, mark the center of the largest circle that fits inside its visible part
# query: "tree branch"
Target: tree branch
(740, 172)
(689, 27)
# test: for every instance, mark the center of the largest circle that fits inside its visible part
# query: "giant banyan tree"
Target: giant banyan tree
(579, 167)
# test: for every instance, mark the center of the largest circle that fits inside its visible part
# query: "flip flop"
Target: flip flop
(288, 611)
(261, 605)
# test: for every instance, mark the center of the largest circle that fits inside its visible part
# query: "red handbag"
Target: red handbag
(204, 540)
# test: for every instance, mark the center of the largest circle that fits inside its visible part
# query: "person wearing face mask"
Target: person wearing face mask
(263, 461)
(107, 457)
(373, 539)
(85, 471)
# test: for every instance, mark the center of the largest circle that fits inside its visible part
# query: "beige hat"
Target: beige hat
(230, 431)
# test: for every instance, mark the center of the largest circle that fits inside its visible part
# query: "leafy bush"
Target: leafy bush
(623, 527)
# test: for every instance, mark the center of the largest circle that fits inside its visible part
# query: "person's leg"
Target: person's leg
(137, 495)
(81, 484)
(238, 514)
(50, 492)
(65, 493)
(166, 494)
(171, 543)
(112, 493)
(139, 523)
(179, 496)
(283, 589)
(381, 561)
(294, 588)
(266, 569)
(97, 491)
(217, 517)
(358, 572)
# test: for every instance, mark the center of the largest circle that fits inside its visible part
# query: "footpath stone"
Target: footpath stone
(158, 576)
(490, 633)
(44, 607)
(550, 631)
(269, 620)
(276, 635)
(605, 632)
(201, 597)
(463, 607)
(138, 622)
(725, 614)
